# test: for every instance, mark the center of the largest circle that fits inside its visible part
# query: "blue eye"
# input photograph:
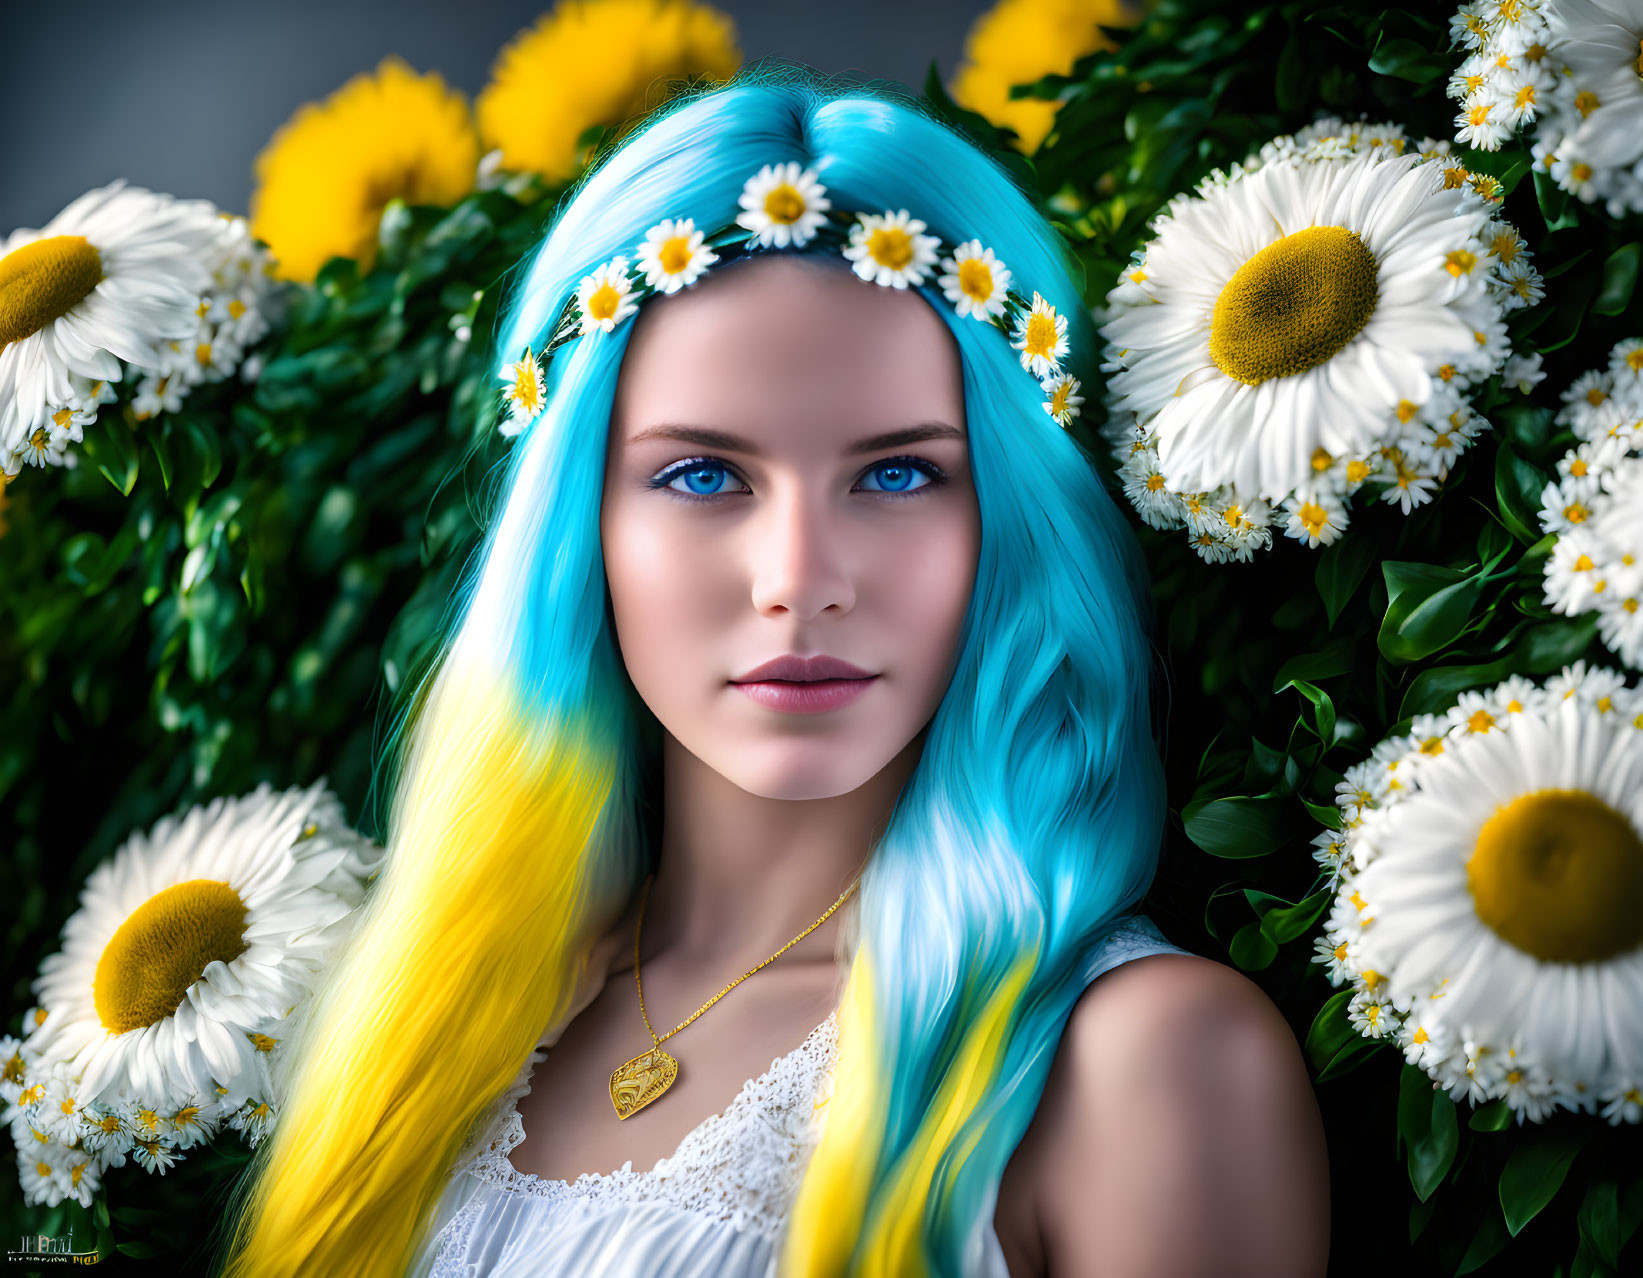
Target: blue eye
(704, 478)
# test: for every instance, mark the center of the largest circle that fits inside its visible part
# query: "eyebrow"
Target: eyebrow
(703, 437)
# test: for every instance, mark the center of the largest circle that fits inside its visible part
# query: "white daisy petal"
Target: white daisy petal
(176, 996)
(1495, 893)
(1298, 314)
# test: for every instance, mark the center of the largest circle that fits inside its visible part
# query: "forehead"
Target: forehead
(788, 343)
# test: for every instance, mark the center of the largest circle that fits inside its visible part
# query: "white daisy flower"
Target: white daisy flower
(1523, 284)
(526, 393)
(1317, 518)
(194, 935)
(1623, 1105)
(1306, 312)
(890, 248)
(1496, 897)
(605, 297)
(253, 1121)
(14, 1068)
(158, 394)
(783, 205)
(59, 1111)
(1595, 508)
(673, 255)
(1041, 337)
(109, 1131)
(1064, 399)
(1523, 372)
(155, 1154)
(975, 281)
(116, 271)
(1144, 486)
(1332, 956)
(196, 1121)
(1370, 1016)
(1626, 364)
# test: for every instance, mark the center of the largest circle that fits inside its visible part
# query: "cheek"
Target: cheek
(922, 589)
(663, 588)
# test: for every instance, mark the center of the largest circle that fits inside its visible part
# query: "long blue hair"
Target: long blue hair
(522, 820)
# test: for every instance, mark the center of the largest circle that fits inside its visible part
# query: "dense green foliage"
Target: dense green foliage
(237, 591)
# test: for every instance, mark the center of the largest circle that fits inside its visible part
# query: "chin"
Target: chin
(810, 770)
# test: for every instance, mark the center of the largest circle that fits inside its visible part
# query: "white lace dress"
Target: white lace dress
(714, 1208)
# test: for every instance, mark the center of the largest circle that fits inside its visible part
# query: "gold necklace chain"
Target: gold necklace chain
(638, 1082)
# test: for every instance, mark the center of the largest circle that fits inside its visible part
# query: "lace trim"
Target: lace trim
(742, 1165)
(723, 1165)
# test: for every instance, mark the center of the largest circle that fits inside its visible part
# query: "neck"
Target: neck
(741, 875)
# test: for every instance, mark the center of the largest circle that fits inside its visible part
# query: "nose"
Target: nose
(798, 553)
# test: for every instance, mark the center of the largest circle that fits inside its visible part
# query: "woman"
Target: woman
(806, 668)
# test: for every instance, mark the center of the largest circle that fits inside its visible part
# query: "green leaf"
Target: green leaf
(1518, 486)
(1322, 720)
(1350, 1057)
(1496, 1116)
(1341, 568)
(1427, 1130)
(112, 447)
(1533, 1174)
(1619, 279)
(1407, 60)
(1554, 202)
(1236, 827)
(1292, 76)
(1436, 689)
(1284, 923)
(1331, 1030)
(1427, 608)
(1251, 948)
(138, 1250)
(1599, 1221)
(1338, 657)
(1486, 1243)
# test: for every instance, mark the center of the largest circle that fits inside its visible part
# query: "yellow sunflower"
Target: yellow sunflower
(594, 62)
(1019, 41)
(323, 180)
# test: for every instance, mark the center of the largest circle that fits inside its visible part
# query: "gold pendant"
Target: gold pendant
(641, 1080)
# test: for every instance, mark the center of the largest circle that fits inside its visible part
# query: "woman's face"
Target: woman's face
(749, 512)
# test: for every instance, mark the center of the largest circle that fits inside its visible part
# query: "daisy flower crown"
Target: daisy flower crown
(785, 206)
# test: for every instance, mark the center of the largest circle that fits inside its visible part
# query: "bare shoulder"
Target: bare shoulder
(1178, 1132)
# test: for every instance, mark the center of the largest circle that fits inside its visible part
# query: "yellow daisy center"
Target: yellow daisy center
(603, 301)
(44, 280)
(1637, 62)
(975, 278)
(1058, 400)
(784, 204)
(674, 254)
(1041, 334)
(891, 246)
(1314, 518)
(1559, 874)
(525, 388)
(162, 948)
(1586, 102)
(1293, 305)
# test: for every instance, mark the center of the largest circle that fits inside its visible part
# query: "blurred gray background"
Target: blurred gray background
(180, 97)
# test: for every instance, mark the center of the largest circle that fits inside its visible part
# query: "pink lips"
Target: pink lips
(806, 698)
(805, 685)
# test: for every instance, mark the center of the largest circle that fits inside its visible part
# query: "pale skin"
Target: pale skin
(1177, 1134)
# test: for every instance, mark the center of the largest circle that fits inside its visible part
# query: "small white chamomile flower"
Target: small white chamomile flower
(783, 206)
(673, 255)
